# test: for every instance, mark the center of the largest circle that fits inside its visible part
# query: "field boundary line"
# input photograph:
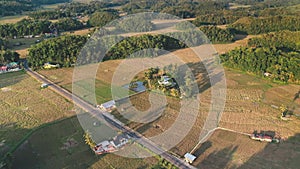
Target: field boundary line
(213, 130)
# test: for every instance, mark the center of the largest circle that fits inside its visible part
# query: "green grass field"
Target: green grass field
(24, 43)
(25, 107)
(50, 7)
(47, 148)
(103, 91)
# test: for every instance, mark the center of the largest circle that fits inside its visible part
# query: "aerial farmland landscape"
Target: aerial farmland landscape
(154, 84)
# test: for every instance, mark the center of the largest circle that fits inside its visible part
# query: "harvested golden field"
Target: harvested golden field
(79, 32)
(22, 52)
(24, 107)
(241, 41)
(12, 19)
(248, 108)
(231, 150)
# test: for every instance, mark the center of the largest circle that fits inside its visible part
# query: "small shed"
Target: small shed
(190, 158)
(108, 106)
(267, 74)
(12, 65)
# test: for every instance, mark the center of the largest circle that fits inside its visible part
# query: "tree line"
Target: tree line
(213, 33)
(217, 35)
(283, 40)
(130, 45)
(25, 27)
(16, 7)
(3, 43)
(62, 50)
(73, 9)
(7, 56)
(269, 54)
(37, 27)
(251, 25)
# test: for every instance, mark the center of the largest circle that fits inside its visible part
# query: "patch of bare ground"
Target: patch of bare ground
(22, 52)
(241, 41)
(79, 32)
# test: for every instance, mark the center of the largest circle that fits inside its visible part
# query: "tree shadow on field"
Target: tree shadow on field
(240, 36)
(297, 96)
(206, 145)
(218, 159)
(285, 154)
(203, 78)
(11, 78)
(268, 133)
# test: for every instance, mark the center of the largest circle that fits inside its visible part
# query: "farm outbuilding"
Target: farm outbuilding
(190, 158)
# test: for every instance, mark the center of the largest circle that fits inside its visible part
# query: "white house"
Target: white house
(267, 74)
(166, 81)
(189, 158)
(108, 106)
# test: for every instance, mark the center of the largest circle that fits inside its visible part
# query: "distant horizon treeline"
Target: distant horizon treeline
(250, 25)
(37, 27)
(65, 49)
(17, 7)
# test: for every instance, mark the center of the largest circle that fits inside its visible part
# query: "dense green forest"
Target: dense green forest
(218, 18)
(102, 18)
(47, 2)
(213, 33)
(37, 27)
(283, 40)
(24, 27)
(14, 7)
(134, 24)
(251, 25)
(275, 53)
(48, 15)
(7, 56)
(180, 8)
(133, 44)
(68, 24)
(74, 9)
(3, 43)
(217, 35)
(62, 50)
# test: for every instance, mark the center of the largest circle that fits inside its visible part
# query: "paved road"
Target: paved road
(110, 121)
